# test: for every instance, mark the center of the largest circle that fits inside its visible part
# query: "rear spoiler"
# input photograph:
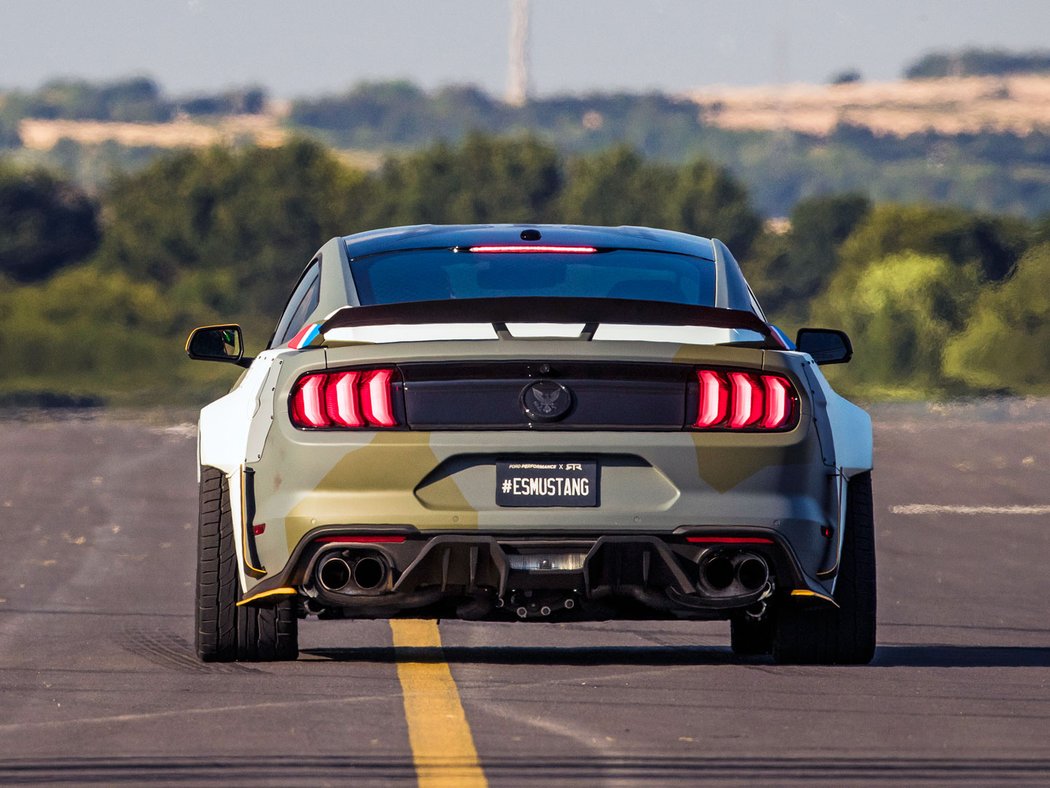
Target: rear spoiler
(589, 311)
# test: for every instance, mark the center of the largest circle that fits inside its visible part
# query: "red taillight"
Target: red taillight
(738, 400)
(353, 399)
(376, 400)
(747, 400)
(714, 397)
(342, 401)
(308, 403)
(777, 397)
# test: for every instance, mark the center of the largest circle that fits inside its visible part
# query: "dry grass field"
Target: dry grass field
(1018, 104)
(262, 129)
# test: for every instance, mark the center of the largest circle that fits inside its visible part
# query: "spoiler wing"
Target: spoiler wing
(498, 311)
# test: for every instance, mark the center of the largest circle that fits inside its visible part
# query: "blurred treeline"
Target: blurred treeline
(132, 100)
(98, 293)
(992, 171)
(976, 61)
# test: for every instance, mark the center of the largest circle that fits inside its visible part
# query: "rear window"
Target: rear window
(440, 274)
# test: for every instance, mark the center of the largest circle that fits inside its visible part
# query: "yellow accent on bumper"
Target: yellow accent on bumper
(805, 592)
(273, 592)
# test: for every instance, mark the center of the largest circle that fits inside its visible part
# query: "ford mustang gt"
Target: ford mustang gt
(533, 423)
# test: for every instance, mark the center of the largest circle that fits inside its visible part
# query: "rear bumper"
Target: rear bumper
(541, 577)
(433, 483)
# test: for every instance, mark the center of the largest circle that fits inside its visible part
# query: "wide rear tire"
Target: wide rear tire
(751, 638)
(225, 632)
(846, 635)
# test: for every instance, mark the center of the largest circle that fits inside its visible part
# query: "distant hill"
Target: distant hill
(979, 62)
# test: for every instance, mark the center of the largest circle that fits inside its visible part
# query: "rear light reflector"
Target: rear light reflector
(728, 540)
(347, 400)
(739, 400)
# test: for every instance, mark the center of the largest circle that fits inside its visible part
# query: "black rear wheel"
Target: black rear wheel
(749, 637)
(846, 635)
(225, 632)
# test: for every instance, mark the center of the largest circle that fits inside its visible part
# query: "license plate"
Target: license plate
(546, 483)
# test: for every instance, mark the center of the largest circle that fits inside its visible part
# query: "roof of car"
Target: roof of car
(430, 236)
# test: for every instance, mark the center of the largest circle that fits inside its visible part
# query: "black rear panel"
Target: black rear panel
(570, 395)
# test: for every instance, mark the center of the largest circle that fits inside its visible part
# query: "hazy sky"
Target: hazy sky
(298, 47)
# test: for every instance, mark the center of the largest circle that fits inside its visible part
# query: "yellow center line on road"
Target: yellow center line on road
(442, 745)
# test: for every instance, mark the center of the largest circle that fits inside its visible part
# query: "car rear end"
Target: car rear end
(525, 477)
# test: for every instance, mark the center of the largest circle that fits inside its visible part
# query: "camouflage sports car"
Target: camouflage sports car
(534, 423)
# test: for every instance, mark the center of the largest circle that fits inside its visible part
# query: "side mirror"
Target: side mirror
(217, 343)
(825, 345)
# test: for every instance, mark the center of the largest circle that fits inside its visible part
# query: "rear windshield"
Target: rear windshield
(439, 274)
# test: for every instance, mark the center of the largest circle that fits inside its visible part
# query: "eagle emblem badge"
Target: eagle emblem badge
(545, 400)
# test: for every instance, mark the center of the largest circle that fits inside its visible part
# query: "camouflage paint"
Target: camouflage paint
(445, 481)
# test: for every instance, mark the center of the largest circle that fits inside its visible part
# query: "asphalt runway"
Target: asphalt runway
(100, 683)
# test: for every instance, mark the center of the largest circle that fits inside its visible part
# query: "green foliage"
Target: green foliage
(222, 234)
(88, 332)
(616, 187)
(486, 179)
(978, 62)
(243, 101)
(787, 271)
(619, 187)
(399, 114)
(1006, 344)
(994, 243)
(995, 172)
(45, 224)
(137, 99)
(258, 214)
(900, 311)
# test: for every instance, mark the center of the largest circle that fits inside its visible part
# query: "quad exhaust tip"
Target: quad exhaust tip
(722, 569)
(336, 573)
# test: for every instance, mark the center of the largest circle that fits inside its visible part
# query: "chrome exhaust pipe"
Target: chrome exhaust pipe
(752, 571)
(334, 573)
(370, 572)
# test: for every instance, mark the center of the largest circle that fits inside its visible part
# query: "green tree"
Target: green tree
(790, 269)
(45, 223)
(1006, 344)
(967, 62)
(618, 186)
(994, 243)
(257, 214)
(87, 331)
(485, 179)
(900, 312)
